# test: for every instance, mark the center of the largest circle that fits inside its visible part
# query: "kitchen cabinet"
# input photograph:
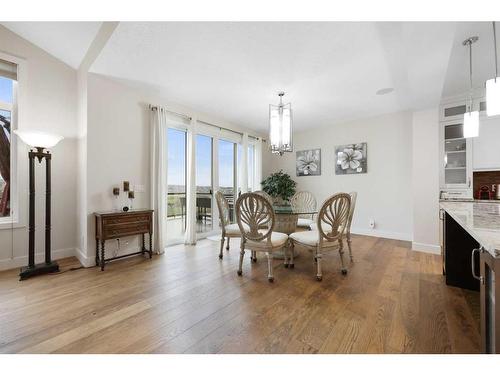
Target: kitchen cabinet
(486, 147)
(456, 157)
(471, 253)
(490, 311)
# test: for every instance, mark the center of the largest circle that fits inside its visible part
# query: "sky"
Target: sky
(5, 90)
(177, 160)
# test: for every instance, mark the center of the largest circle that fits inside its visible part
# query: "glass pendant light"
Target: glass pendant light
(493, 85)
(280, 127)
(471, 118)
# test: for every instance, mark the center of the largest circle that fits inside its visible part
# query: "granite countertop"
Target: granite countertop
(480, 219)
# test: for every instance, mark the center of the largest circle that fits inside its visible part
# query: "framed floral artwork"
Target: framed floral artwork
(308, 162)
(351, 159)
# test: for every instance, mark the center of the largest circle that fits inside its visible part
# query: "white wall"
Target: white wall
(426, 180)
(384, 193)
(48, 103)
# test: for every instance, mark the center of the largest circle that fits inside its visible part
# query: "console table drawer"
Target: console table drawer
(126, 229)
(125, 219)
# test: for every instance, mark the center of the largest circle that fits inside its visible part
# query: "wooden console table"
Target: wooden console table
(117, 224)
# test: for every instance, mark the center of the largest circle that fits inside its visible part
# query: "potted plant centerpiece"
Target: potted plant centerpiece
(280, 186)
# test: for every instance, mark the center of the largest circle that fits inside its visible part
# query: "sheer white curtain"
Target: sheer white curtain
(158, 163)
(190, 235)
(258, 165)
(243, 167)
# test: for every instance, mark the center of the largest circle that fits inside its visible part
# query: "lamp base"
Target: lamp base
(38, 269)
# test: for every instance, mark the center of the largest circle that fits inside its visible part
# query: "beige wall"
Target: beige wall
(48, 103)
(425, 136)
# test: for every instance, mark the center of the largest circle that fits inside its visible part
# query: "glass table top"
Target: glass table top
(289, 210)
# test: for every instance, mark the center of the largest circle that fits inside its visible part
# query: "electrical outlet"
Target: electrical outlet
(372, 223)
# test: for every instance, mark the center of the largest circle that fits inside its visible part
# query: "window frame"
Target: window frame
(17, 217)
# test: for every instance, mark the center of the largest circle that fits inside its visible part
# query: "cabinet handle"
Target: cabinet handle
(473, 262)
(468, 181)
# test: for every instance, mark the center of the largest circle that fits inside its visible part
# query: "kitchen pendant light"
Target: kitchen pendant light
(280, 127)
(471, 118)
(493, 85)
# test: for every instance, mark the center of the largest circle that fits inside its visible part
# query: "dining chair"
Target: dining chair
(347, 231)
(331, 222)
(304, 201)
(228, 230)
(255, 218)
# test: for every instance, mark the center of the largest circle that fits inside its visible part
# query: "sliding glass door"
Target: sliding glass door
(176, 181)
(217, 166)
(204, 187)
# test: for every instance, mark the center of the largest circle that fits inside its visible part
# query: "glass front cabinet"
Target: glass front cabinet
(490, 312)
(456, 157)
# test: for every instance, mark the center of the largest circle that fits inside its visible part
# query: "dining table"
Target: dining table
(286, 219)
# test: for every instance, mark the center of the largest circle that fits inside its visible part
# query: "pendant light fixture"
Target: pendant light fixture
(280, 127)
(471, 118)
(493, 85)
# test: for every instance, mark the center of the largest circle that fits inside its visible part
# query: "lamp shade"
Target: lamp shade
(280, 128)
(471, 124)
(493, 96)
(35, 138)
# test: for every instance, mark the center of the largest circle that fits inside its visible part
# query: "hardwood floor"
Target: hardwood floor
(393, 300)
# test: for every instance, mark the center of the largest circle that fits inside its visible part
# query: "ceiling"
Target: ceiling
(68, 41)
(330, 71)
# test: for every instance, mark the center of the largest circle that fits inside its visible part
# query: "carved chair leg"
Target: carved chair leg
(221, 247)
(286, 254)
(319, 273)
(242, 254)
(253, 256)
(349, 245)
(341, 253)
(270, 276)
(292, 254)
(227, 246)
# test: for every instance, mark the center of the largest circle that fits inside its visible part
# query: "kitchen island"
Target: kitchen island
(471, 259)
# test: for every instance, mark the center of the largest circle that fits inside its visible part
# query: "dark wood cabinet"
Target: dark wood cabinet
(490, 311)
(117, 224)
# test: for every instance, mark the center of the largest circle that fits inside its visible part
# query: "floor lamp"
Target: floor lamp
(39, 142)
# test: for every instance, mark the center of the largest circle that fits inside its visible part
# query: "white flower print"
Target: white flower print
(350, 158)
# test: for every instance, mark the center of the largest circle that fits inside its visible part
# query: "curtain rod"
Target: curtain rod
(229, 130)
(155, 108)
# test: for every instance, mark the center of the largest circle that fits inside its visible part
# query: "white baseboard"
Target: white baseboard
(426, 248)
(84, 259)
(382, 234)
(7, 264)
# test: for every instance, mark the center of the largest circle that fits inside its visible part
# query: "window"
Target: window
(227, 172)
(8, 76)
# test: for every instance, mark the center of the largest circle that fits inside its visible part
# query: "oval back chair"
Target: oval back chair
(228, 230)
(255, 218)
(347, 232)
(331, 223)
(304, 201)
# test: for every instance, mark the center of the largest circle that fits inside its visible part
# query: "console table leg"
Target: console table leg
(150, 245)
(143, 243)
(96, 252)
(102, 255)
